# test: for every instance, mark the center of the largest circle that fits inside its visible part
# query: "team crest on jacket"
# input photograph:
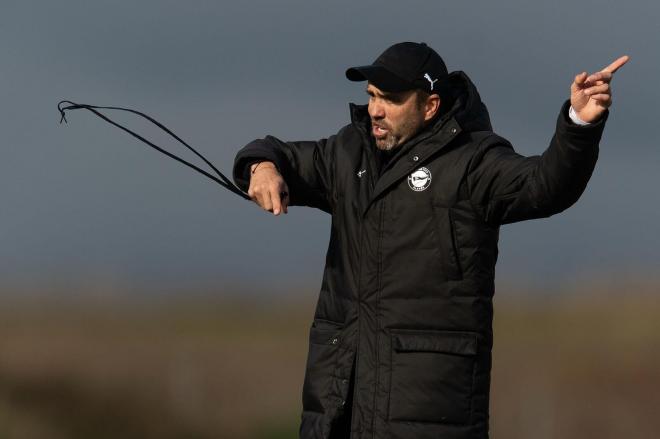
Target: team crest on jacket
(419, 179)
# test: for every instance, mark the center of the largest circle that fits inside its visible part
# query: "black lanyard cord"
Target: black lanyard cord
(222, 180)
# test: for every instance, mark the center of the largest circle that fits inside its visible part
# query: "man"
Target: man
(417, 185)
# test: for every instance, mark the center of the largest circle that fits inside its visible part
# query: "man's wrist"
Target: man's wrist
(572, 114)
(260, 165)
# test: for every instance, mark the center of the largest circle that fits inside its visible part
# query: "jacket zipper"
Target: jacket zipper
(355, 401)
(380, 268)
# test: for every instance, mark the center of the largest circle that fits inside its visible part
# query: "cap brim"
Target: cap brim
(380, 77)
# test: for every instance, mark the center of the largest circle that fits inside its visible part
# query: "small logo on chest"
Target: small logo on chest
(419, 179)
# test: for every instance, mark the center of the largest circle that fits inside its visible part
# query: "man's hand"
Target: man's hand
(591, 94)
(267, 188)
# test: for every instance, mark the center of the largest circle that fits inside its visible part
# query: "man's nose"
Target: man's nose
(376, 111)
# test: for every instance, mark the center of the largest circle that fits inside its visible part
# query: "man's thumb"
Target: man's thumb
(580, 78)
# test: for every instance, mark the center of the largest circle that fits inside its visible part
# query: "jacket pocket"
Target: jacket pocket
(432, 376)
(321, 359)
(445, 229)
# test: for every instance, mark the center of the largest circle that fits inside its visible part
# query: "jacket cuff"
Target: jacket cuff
(256, 151)
(584, 136)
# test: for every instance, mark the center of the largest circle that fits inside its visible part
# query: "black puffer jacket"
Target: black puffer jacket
(406, 298)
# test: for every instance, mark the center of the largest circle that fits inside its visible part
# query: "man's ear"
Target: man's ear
(431, 107)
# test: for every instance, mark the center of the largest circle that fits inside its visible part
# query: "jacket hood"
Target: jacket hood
(466, 104)
(458, 92)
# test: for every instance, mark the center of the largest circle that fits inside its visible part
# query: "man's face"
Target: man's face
(395, 117)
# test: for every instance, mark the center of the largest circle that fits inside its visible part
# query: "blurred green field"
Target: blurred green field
(576, 364)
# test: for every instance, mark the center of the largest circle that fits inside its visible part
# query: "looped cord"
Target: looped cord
(222, 180)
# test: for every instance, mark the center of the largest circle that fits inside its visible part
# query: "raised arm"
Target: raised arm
(506, 187)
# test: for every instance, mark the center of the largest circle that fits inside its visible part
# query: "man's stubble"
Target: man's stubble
(396, 137)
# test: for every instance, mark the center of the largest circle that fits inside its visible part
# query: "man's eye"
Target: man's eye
(391, 98)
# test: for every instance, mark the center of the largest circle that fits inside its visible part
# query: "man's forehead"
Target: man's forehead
(373, 89)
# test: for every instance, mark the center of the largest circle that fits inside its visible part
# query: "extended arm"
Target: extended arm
(506, 187)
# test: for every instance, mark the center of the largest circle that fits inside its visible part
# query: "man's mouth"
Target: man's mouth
(379, 131)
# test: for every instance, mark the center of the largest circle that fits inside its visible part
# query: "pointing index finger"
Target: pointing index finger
(616, 65)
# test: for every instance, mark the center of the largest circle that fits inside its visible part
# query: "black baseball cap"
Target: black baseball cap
(403, 66)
